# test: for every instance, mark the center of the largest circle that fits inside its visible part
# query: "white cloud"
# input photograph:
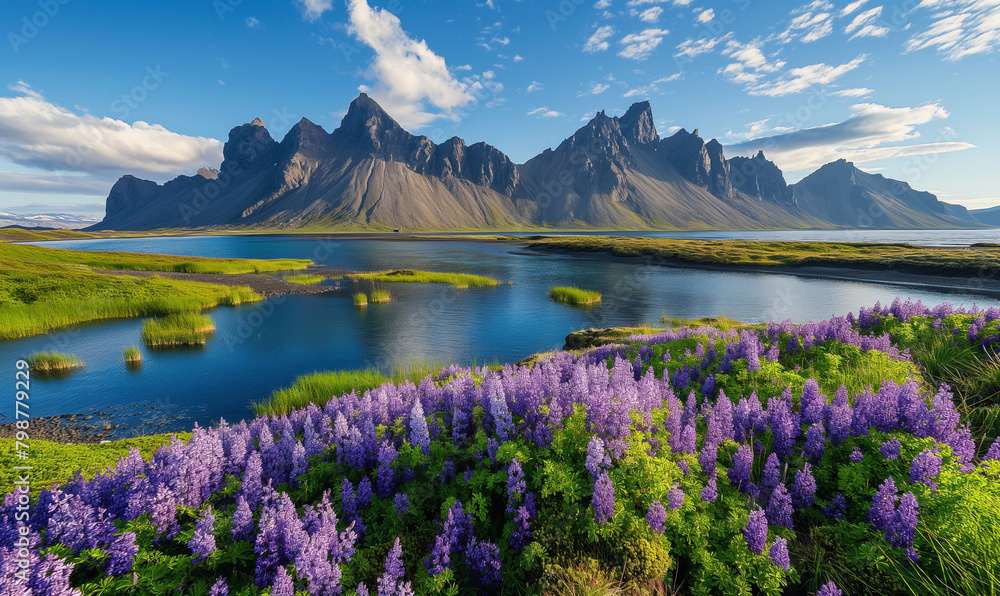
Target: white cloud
(314, 9)
(518, 58)
(669, 79)
(651, 15)
(534, 86)
(599, 88)
(855, 92)
(864, 25)
(751, 56)
(253, 23)
(545, 112)
(812, 22)
(408, 75)
(638, 46)
(801, 79)
(602, 4)
(39, 134)
(959, 28)
(690, 48)
(706, 16)
(54, 184)
(464, 67)
(504, 41)
(598, 42)
(850, 8)
(862, 137)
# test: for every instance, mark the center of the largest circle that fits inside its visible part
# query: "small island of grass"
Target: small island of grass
(460, 281)
(184, 329)
(360, 300)
(53, 362)
(575, 296)
(380, 296)
(133, 356)
(304, 279)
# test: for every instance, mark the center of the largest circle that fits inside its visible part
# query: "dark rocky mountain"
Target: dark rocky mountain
(614, 173)
(843, 195)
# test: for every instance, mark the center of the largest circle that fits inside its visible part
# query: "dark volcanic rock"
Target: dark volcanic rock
(758, 177)
(249, 147)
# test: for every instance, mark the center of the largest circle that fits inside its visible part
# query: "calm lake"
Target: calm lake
(264, 346)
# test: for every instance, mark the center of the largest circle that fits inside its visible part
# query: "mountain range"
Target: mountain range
(612, 173)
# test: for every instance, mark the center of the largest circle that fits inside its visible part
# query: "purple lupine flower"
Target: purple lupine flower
(901, 530)
(656, 517)
(890, 449)
(676, 497)
(784, 426)
(707, 457)
(499, 413)
(829, 589)
(202, 544)
(771, 477)
(994, 453)
(883, 509)
(739, 474)
(604, 498)
(447, 471)
(391, 582)
(925, 468)
(856, 456)
(402, 503)
(804, 488)
(755, 532)
(242, 520)
(779, 507)
(522, 533)
(815, 442)
(597, 460)
(364, 493)
(282, 585)
(516, 487)
(835, 507)
(219, 588)
(454, 536)
(710, 493)
(484, 563)
(361, 590)
(683, 465)
(779, 554)
(812, 404)
(419, 435)
(385, 480)
(252, 487)
(123, 550)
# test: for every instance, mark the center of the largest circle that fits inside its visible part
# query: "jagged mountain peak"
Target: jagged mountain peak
(637, 124)
(248, 146)
(257, 122)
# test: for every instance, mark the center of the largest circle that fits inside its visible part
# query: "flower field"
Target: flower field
(772, 459)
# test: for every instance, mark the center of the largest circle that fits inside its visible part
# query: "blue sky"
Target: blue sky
(92, 91)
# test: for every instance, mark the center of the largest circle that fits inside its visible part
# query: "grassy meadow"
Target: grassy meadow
(971, 261)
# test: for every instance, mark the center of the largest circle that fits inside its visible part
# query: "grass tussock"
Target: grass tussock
(458, 280)
(303, 279)
(53, 362)
(575, 296)
(133, 355)
(184, 329)
(858, 255)
(380, 296)
(360, 300)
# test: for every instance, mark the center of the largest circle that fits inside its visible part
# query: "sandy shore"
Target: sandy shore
(263, 284)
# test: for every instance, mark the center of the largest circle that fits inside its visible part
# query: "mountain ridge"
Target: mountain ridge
(613, 172)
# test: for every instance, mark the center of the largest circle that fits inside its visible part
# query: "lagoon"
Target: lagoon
(263, 346)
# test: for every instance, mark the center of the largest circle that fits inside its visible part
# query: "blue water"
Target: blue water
(263, 346)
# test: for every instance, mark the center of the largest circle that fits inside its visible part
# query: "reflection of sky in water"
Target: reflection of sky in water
(259, 347)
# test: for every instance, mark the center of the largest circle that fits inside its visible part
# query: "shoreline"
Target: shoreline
(261, 283)
(989, 288)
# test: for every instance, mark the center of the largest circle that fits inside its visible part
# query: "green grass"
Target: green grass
(133, 355)
(458, 280)
(183, 329)
(306, 280)
(50, 362)
(320, 387)
(896, 257)
(54, 463)
(145, 262)
(42, 289)
(360, 300)
(574, 296)
(380, 296)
